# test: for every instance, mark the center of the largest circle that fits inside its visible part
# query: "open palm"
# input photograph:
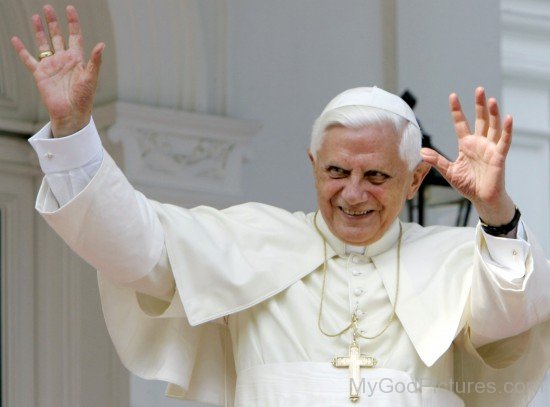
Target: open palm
(67, 84)
(478, 171)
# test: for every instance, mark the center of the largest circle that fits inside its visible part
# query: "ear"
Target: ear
(311, 157)
(419, 174)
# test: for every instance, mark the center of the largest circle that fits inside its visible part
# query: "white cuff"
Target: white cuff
(66, 153)
(509, 254)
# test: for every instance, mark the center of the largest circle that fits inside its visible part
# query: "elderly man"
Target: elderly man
(256, 306)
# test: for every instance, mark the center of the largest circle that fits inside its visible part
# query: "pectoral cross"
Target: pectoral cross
(355, 361)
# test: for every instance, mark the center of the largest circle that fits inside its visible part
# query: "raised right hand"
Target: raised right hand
(67, 84)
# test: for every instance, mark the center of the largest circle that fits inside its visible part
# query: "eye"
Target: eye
(376, 177)
(337, 172)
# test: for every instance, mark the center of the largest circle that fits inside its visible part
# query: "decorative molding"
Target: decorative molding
(525, 58)
(526, 16)
(17, 157)
(104, 116)
(530, 105)
(525, 47)
(181, 151)
(17, 126)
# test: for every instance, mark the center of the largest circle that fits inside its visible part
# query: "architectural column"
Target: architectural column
(526, 94)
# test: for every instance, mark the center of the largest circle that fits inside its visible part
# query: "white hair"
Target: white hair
(357, 117)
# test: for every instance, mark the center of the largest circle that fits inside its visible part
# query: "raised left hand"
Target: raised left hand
(478, 171)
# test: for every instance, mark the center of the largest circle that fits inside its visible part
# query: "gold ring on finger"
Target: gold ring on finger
(45, 54)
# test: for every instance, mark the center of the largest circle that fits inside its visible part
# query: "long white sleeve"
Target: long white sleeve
(509, 289)
(69, 164)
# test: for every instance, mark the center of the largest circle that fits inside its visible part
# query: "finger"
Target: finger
(27, 59)
(40, 35)
(462, 128)
(75, 35)
(505, 141)
(435, 159)
(482, 113)
(493, 133)
(95, 59)
(54, 28)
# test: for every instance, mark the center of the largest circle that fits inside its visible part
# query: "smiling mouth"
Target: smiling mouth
(354, 213)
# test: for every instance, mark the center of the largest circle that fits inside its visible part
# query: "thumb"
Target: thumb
(435, 159)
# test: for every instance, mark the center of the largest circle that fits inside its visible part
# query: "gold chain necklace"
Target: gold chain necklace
(354, 319)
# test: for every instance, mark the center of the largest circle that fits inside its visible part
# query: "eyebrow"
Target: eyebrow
(366, 173)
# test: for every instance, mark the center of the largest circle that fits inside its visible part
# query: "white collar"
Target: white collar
(386, 242)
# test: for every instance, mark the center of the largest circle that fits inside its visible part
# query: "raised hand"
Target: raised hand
(478, 171)
(67, 84)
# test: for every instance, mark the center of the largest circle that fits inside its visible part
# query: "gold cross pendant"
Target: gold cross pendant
(355, 361)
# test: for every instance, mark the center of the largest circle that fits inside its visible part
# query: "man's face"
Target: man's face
(362, 182)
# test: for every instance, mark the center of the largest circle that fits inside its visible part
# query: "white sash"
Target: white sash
(320, 384)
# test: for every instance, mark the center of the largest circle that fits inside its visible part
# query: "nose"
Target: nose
(355, 192)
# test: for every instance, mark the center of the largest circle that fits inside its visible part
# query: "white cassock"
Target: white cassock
(242, 325)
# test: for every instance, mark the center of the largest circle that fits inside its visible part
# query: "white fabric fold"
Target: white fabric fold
(501, 309)
(136, 237)
(443, 277)
(240, 255)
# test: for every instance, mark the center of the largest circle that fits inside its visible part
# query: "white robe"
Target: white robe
(260, 265)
